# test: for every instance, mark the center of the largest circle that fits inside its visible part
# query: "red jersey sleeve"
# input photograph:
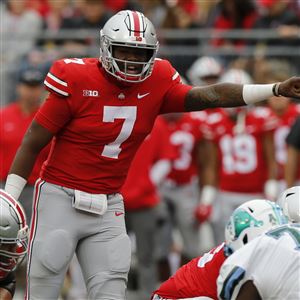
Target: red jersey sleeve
(56, 79)
(54, 113)
(175, 96)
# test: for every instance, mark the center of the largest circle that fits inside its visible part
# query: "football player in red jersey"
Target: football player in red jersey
(14, 121)
(197, 279)
(13, 243)
(242, 162)
(97, 114)
(180, 190)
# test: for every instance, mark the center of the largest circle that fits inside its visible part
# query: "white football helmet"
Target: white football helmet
(238, 76)
(289, 201)
(128, 29)
(250, 220)
(204, 66)
(13, 233)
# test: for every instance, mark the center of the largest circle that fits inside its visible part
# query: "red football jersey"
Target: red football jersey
(242, 167)
(280, 134)
(196, 278)
(99, 123)
(13, 124)
(138, 190)
(185, 134)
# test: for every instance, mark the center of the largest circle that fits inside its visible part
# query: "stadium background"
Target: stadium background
(245, 34)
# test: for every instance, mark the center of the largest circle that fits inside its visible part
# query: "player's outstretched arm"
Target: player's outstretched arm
(231, 95)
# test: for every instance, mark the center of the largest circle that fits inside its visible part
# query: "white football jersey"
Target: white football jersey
(271, 261)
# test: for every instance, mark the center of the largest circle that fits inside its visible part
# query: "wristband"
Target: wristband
(14, 185)
(275, 89)
(271, 189)
(208, 195)
(253, 93)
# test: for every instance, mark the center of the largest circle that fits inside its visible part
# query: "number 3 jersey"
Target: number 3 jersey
(271, 261)
(99, 123)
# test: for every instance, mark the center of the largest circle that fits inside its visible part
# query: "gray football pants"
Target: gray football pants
(58, 230)
(184, 199)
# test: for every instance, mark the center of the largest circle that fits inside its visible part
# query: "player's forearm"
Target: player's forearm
(291, 166)
(269, 154)
(35, 139)
(230, 95)
(20, 171)
(24, 161)
(217, 95)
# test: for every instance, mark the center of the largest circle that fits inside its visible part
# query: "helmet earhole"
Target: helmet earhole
(245, 239)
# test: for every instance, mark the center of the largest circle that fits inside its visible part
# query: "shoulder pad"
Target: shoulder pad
(57, 79)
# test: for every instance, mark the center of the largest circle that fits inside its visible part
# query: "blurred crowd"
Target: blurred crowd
(36, 32)
(200, 166)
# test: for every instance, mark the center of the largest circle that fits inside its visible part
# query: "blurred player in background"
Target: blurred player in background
(13, 243)
(180, 191)
(14, 121)
(266, 268)
(198, 277)
(292, 167)
(286, 112)
(242, 162)
(204, 71)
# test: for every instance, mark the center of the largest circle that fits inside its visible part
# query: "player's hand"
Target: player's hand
(203, 213)
(271, 189)
(290, 87)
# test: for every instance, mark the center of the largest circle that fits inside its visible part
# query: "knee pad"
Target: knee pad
(56, 251)
(120, 254)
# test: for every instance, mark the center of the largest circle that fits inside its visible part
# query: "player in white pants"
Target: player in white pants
(102, 237)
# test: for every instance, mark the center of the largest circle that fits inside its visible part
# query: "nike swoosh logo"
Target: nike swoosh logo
(117, 214)
(142, 95)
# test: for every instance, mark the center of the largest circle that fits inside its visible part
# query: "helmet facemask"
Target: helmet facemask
(131, 30)
(11, 255)
(120, 68)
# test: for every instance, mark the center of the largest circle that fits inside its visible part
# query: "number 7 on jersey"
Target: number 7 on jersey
(110, 113)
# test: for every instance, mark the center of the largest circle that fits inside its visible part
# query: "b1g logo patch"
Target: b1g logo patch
(90, 93)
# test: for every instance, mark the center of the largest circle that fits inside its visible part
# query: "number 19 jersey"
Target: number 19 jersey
(99, 123)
